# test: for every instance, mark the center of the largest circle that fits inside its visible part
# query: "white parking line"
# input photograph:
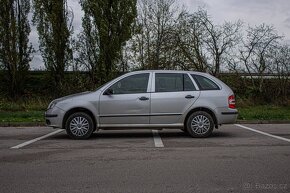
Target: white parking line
(157, 139)
(263, 133)
(36, 139)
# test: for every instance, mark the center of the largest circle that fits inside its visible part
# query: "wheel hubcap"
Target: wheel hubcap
(79, 126)
(200, 124)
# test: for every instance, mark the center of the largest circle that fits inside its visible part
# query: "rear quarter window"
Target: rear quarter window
(205, 83)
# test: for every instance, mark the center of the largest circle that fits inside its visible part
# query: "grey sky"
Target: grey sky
(253, 12)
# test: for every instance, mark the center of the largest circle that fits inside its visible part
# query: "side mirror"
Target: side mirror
(109, 91)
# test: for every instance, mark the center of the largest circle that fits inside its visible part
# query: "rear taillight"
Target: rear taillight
(232, 102)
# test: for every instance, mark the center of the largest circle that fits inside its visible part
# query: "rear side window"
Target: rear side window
(170, 82)
(205, 83)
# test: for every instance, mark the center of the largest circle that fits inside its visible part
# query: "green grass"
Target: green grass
(36, 104)
(23, 111)
(264, 113)
(21, 116)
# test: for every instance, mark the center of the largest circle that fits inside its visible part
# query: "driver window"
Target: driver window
(130, 85)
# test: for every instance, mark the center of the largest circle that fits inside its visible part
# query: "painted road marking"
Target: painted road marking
(157, 139)
(36, 139)
(263, 133)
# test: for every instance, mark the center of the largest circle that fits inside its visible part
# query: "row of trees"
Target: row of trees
(123, 35)
(107, 25)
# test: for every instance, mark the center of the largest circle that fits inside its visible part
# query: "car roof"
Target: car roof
(169, 71)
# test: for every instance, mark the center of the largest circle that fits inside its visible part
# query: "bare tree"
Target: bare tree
(204, 44)
(281, 67)
(190, 36)
(153, 42)
(256, 53)
(220, 40)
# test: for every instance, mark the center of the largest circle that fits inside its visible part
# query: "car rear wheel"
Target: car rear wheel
(200, 124)
(79, 126)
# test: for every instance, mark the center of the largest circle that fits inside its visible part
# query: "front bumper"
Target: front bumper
(54, 117)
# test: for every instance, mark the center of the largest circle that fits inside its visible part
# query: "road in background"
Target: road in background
(234, 159)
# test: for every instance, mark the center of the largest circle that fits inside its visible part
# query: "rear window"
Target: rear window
(205, 83)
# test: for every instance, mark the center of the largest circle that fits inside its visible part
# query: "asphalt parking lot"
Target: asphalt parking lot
(237, 158)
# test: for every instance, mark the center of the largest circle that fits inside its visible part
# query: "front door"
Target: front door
(126, 103)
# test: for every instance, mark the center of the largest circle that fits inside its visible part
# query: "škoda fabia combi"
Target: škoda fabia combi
(193, 101)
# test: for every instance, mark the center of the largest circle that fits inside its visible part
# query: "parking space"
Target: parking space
(225, 136)
(281, 130)
(233, 159)
(11, 136)
(101, 139)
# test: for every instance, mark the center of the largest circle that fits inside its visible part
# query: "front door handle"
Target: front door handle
(143, 98)
(189, 97)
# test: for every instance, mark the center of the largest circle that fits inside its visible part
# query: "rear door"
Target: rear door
(173, 94)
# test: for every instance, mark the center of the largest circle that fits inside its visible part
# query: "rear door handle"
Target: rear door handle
(143, 98)
(189, 97)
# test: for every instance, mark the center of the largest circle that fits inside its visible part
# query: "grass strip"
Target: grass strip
(264, 113)
(21, 116)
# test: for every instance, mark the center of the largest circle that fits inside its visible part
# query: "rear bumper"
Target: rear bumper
(226, 115)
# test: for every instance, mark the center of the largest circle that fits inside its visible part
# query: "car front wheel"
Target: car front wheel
(200, 124)
(79, 126)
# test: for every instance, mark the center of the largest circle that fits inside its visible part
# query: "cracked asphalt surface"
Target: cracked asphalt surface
(233, 159)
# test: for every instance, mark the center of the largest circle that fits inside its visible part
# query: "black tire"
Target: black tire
(79, 125)
(200, 124)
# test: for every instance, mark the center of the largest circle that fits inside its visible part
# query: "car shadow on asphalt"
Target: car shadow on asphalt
(181, 134)
(127, 134)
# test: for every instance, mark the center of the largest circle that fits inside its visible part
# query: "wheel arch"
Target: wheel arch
(78, 109)
(209, 111)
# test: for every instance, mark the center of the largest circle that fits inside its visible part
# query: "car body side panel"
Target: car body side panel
(124, 108)
(168, 107)
(88, 102)
(215, 101)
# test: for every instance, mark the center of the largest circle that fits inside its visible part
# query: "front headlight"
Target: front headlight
(51, 105)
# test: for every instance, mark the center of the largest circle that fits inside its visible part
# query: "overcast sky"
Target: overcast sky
(252, 12)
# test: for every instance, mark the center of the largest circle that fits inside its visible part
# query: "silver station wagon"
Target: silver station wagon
(192, 101)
